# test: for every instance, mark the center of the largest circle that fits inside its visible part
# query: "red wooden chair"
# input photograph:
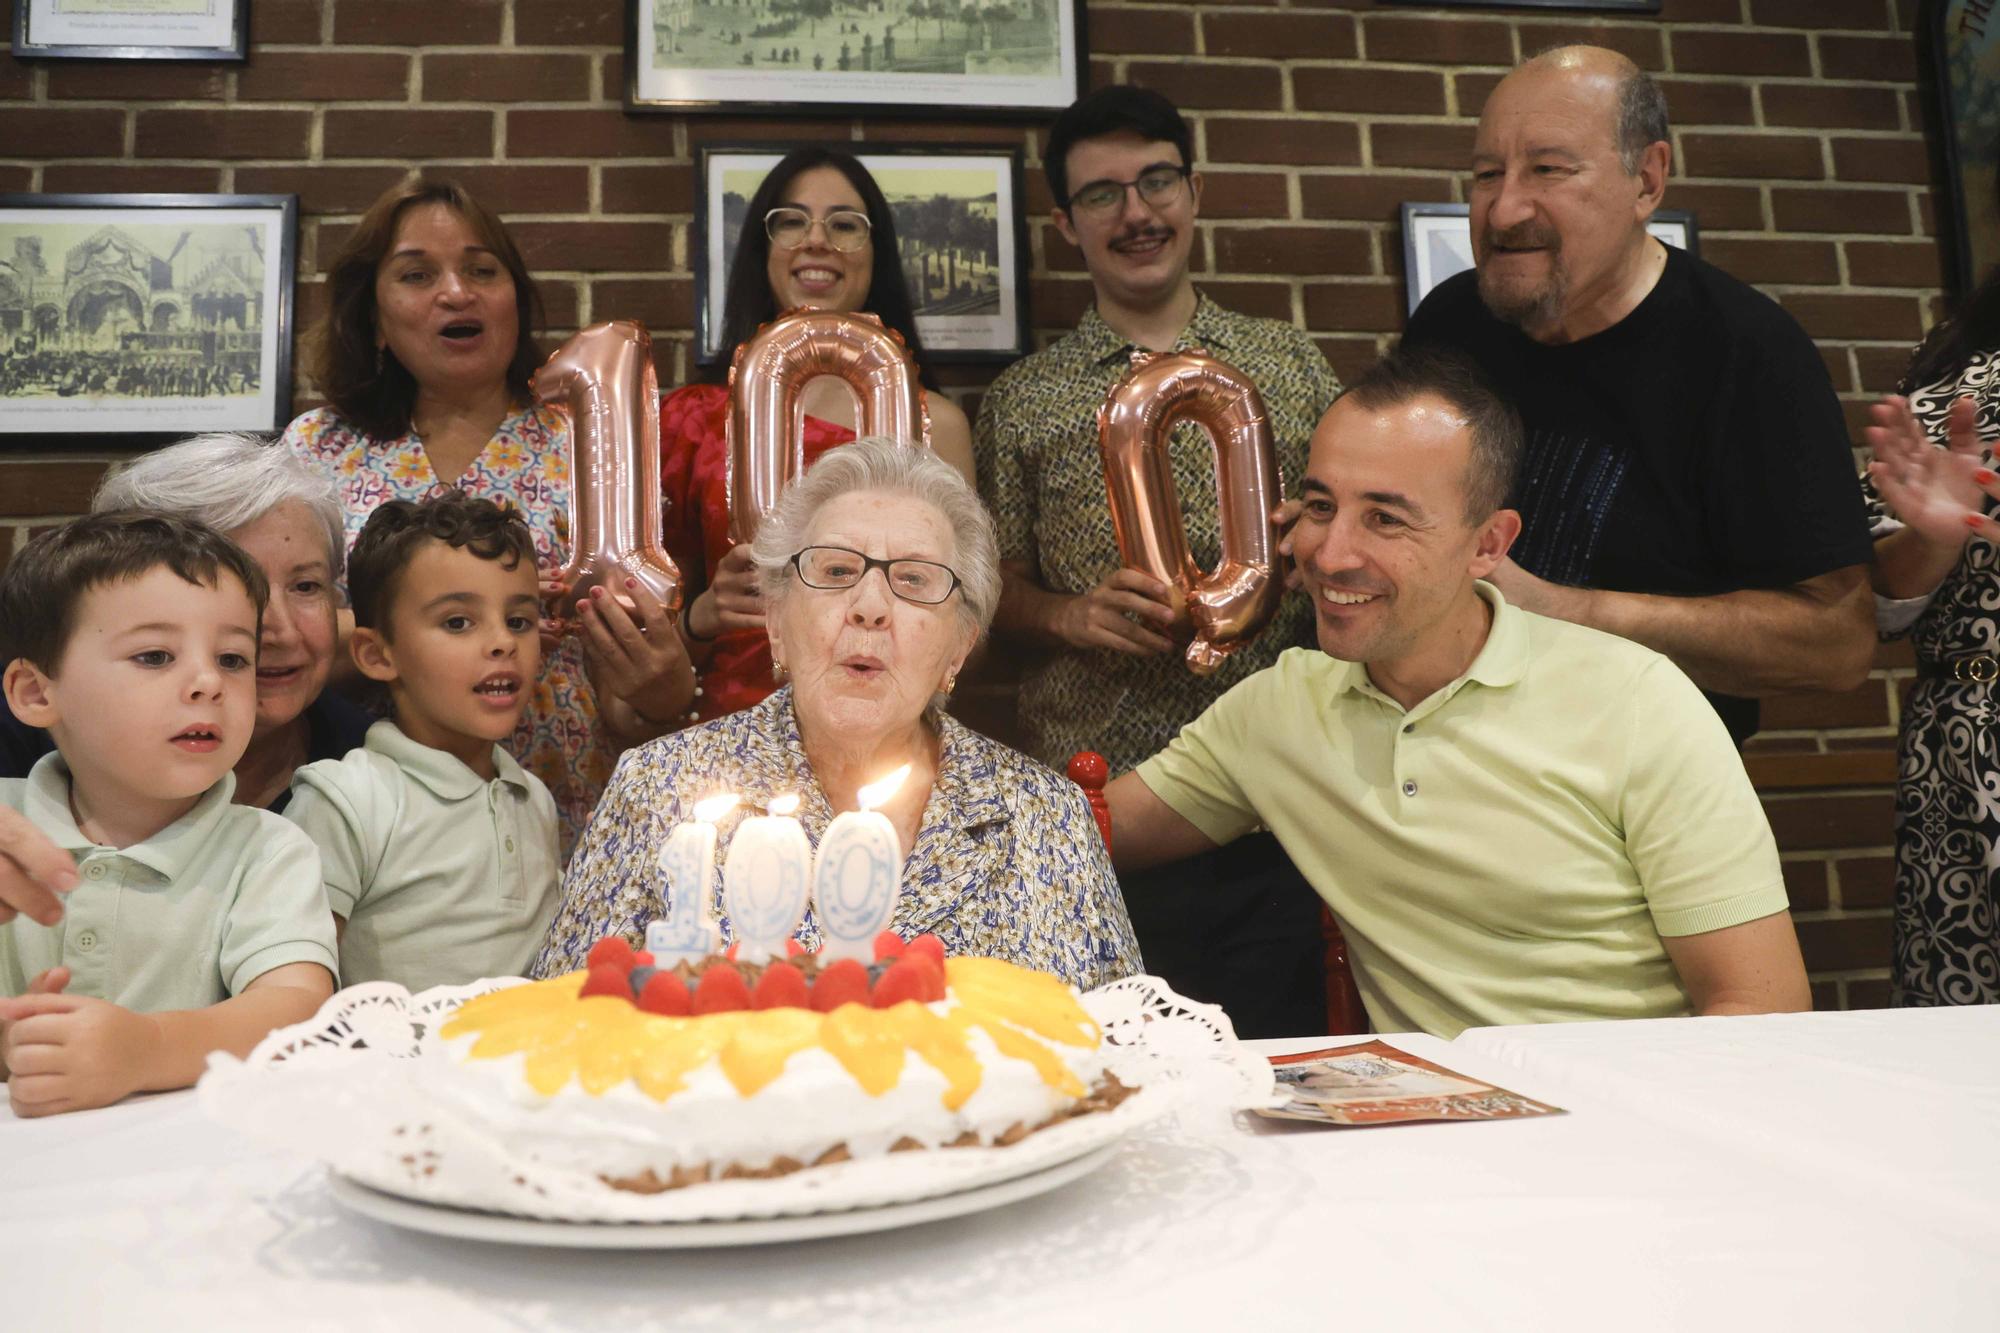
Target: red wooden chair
(1344, 1013)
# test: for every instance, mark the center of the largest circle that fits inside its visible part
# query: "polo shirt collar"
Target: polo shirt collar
(168, 852)
(1209, 328)
(446, 776)
(1501, 661)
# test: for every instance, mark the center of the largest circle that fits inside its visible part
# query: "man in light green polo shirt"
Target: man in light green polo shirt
(1516, 819)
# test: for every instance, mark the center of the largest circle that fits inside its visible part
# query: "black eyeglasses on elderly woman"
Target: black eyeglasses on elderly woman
(830, 568)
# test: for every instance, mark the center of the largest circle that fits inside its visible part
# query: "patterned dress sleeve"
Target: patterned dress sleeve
(610, 886)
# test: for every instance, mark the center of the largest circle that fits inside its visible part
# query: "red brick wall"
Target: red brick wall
(1798, 143)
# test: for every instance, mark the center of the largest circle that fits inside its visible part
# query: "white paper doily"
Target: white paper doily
(342, 1088)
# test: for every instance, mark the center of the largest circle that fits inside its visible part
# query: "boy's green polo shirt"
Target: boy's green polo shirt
(442, 876)
(183, 920)
(1512, 849)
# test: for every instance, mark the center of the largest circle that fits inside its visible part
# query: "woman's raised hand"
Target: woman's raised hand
(1939, 494)
(635, 656)
(733, 600)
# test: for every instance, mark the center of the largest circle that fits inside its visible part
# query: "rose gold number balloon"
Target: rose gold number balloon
(767, 382)
(603, 378)
(1232, 604)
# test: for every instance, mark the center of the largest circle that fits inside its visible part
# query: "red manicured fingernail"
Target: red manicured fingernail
(1975, 520)
(631, 583)
(1986, 476)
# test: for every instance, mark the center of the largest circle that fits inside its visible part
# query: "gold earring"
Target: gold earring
(778, 672)
(951, 682)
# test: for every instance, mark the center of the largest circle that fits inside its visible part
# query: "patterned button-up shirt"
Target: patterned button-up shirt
(1008, 862)
(1042, 476)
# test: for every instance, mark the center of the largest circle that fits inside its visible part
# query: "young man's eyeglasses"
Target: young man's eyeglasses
(788, 228)
(833, 567)
(1159, 185)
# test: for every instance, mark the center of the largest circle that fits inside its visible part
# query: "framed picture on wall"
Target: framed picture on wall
(1437, 242)
(132, 29)
(145, 315)
(882, 57)
(1959, 45)
(960, 230)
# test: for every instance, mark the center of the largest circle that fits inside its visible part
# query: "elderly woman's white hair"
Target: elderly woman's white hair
(227, 480)
(881, 465)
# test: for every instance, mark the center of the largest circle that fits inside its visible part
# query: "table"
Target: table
(1668, 1199)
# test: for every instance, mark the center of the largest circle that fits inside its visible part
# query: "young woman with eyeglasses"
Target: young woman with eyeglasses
(817, 233)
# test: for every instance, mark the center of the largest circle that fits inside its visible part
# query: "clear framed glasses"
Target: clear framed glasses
(828, 568)
(789, 228)
(1160, 185)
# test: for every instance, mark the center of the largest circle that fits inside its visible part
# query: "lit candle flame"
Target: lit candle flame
(715, 807)
(878, 793)
(788, 804)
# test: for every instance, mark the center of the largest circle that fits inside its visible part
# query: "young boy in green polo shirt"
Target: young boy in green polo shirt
(438, 849)
(197, 925)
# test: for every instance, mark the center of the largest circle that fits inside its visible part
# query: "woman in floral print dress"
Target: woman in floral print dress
(424, 356)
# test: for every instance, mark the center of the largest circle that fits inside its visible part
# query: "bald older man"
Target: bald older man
(1687, 481)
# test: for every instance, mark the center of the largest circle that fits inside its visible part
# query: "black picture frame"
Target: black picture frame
(42, 33)
(1601, 6)
(1437, 242)
(1962, 112)
(790, 89)
(996, 339)
(181, 368)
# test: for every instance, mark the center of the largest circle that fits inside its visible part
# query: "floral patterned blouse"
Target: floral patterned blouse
(1008, 862)
(527, 466)
(694, 476)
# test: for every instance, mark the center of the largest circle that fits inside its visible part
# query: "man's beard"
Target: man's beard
(1539, 306)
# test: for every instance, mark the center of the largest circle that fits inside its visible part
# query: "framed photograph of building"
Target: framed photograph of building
(884, 57)
(1437, 242)
(959, 227)
(132, 29)
(145, 316)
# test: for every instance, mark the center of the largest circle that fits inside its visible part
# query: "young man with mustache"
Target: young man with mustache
(1238, 927)
(1517, 820)
(1687, 481)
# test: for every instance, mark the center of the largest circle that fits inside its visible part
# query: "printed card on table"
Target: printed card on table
(1376, 1084)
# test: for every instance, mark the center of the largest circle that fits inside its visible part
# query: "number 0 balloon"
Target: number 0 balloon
(1230, 605)
(767, 382)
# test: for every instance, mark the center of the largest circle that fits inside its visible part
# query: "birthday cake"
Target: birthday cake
(653, 1078)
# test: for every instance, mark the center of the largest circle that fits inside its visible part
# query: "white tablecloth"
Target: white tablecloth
(1625, 1214)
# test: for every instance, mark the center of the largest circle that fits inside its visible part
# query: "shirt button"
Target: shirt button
(95, 870)
(87, 940)
(1409, 789)
(510, 844)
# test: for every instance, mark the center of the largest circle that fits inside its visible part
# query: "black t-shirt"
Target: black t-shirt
(333, 727)
(1696, 447)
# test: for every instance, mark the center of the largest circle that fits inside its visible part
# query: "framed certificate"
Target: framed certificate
(132, 29)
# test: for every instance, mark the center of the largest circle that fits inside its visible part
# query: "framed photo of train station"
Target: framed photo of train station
(960, 233)
(145, 316)
(1002, 58)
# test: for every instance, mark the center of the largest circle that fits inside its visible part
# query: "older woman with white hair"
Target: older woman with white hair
(879, 574)
(288, 518)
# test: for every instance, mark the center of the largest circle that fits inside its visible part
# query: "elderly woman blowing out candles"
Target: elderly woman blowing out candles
(879, 573)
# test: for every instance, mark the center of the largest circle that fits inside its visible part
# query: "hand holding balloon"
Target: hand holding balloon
(633, 655)
(733, 599)
(1129, 612)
